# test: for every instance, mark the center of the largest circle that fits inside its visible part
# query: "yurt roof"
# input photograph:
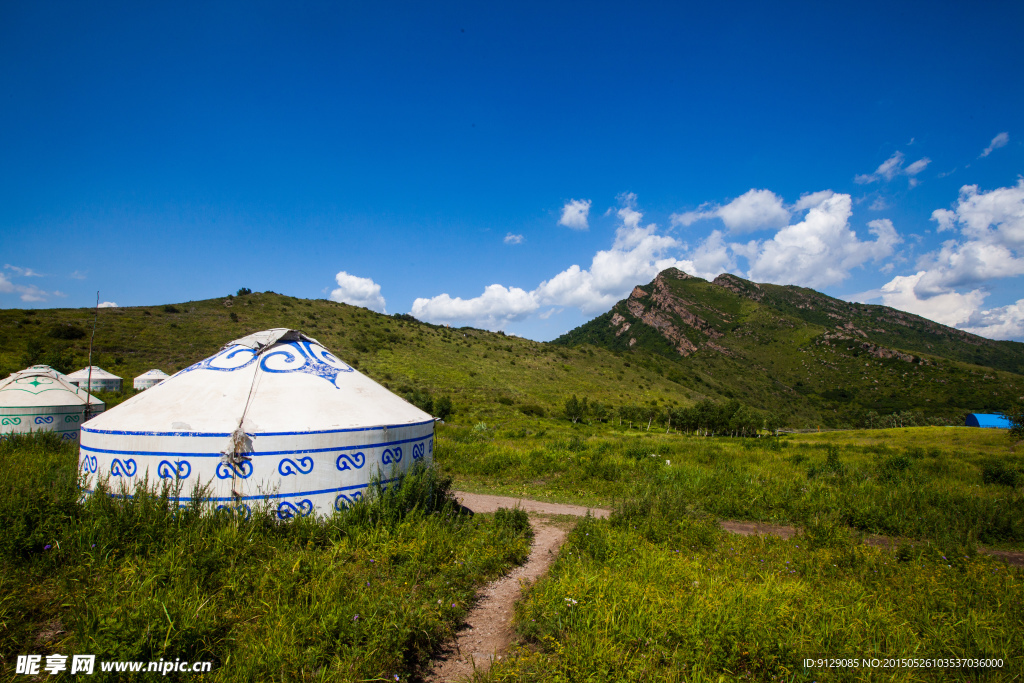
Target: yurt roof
(281, 381)
(153, 374)
(41, 386)
(97, 373)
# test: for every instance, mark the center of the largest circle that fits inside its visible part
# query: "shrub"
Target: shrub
(532, 409)
(171, 309)
(67, 331)
(998, 472)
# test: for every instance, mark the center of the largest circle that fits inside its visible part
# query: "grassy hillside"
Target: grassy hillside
(770, 357)
(799, 351)
(490, 377)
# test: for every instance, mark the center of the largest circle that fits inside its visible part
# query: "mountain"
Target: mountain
(807, 354)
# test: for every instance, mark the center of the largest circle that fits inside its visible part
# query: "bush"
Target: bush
(243, 291)
(67, 331)
(443, 408)
(171, 309)
(998, 472)
(532, 409)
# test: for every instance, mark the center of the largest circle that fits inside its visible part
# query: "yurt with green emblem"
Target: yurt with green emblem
(41, 399)
(272, 418)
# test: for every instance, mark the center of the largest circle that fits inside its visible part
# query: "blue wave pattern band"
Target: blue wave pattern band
(180, 469)
(287, 510)
(302, 466)
(391, 455)
(44, 420)
(299, 356)
(231, 470)
(90, 464)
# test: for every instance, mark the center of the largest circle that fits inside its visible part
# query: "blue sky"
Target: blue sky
(515, 166)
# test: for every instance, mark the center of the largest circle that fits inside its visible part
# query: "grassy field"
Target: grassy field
(661, 594)
(365, 595)
(955, 485)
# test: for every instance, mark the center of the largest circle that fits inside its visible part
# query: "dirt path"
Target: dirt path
(488, 629)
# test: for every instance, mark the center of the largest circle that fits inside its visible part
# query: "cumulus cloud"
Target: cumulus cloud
(992, 225)
(753, 210)
(810, 200)
(637, 254)
(575, 213)
(948, 284)
(107, 304)
(998, 141)
(493, 309)
(821, 249)
(949, 308)
(358, 291)
(892, 167)
(513, 239)
(1004, 322)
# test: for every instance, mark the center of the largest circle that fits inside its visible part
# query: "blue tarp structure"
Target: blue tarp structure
(991, 421)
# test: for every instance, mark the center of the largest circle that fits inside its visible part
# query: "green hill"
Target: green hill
(809, 358)
(806, 354)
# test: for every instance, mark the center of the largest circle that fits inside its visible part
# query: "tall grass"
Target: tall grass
(922, 483)
(657, 593)
(363, 595)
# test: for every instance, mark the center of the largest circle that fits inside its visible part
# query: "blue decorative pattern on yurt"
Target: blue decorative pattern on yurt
(299, 356)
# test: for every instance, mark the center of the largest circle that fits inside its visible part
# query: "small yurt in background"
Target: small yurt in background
(149, 379)
(987, 420)
(271, 417)
(41, 399)
(101, 380)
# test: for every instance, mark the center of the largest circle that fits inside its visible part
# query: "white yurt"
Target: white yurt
(149, 379)
(101, 380)
(273, 417)
(41, 399)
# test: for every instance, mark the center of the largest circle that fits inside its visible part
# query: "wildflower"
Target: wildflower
(355, 618)
(47, 546)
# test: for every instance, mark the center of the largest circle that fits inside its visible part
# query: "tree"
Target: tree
(1016, 417)
(243, 291)
(574, 409)
(444, 408)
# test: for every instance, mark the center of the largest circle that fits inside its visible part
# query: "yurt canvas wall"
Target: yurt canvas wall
(273, 417)
(101, 380)
(149, 379)
(41, 399)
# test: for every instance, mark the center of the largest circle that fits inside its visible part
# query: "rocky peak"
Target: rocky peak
(738, 285)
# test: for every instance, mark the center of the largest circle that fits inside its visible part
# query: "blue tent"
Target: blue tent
(991, 421)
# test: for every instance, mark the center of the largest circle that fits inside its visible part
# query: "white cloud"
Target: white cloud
(821, 249)
(917, 166)
(948, 286)
(27, 293)
(513, 239)
(107, 304)
(493, 309)
(811, 200)
(714, 256)
(753, 210)
(77, 275)
(892, 167)
(636, 256)
(950, 308)
(993, 225)
(22, 272)
(550, 312)
(879, 204)
(998, 141)
(575, 213)
(358, 291)
(1005, 322)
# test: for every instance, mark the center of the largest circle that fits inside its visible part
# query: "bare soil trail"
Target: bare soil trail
(487, 633)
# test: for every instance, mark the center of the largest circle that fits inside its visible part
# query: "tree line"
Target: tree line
(707, 417)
